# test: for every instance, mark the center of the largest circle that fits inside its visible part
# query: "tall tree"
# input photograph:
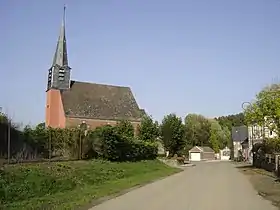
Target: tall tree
(214, 140)
(219, 136)
(226, 141)
(265, 110)
(231, 120)
(197, 130)
(148, 130)
(173, 133)
(125, 127)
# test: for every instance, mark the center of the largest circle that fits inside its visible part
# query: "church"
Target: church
(71, 103)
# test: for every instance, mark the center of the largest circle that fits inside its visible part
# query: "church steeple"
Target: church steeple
(60, 56)
(59, 73)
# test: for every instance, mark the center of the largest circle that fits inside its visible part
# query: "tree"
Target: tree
(3, 118)
(41, 125)
(226, 141)
(173, 133)
(265, 110)
(197, 130)
(218, 137)
(148, 130)
(125, 128)
(214, 139)
(230, 121)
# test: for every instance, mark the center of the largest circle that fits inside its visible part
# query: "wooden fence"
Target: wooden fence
(269, 162)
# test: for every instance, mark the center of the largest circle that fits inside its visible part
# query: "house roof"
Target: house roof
(201, 149)
(239, 133)
(100, 101)
(207, 149)
(195, 149)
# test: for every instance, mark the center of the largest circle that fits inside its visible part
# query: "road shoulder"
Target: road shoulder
(265, 183)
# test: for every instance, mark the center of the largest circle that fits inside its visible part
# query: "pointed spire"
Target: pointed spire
(60, 56)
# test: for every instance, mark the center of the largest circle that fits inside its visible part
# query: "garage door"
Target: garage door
(195, 156)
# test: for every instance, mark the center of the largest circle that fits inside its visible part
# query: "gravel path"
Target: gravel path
(206, 186)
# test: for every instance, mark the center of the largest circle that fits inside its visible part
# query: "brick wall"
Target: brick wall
(94, 123)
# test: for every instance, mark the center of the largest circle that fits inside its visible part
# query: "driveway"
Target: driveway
(207, 186)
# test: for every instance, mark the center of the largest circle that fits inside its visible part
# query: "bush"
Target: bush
(173, 134)
(110, 144)
(125, 128)
(148, 130)
(107, 142)
(142, 150)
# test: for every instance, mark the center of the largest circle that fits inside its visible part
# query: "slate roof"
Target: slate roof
(207, 149)
(143, 112)
(100, 101)
(239, 133)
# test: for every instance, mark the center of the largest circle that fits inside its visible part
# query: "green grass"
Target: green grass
(70, 185)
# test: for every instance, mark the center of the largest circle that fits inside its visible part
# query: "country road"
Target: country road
(207, 186)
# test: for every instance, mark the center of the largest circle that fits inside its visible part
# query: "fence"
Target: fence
(17, 147)
(269, 162)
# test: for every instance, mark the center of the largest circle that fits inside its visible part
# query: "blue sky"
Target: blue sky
(181, 56)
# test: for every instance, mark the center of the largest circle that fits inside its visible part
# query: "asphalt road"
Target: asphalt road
(206, 186)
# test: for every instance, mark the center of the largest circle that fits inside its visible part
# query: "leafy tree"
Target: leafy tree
(214, 138)
(217, 136)
(197, 130)
(265, 110)
(226, 141)
(173, 133)
(148, 130)
(125, 128)
(231, 120)
(3, 118)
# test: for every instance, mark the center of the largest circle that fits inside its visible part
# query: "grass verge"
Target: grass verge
(70, 185)
(265, 183)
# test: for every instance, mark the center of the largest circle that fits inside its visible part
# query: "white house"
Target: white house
(256, 135)
(244, 137)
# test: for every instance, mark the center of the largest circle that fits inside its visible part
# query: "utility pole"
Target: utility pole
(50, 145)
(9, 140)
(80, 145)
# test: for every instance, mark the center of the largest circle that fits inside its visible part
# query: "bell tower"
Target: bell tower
(58, 81)
(59, 73)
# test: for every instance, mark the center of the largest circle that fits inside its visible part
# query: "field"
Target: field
(72, 185)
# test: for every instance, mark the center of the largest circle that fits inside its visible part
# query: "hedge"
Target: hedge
(111, 143)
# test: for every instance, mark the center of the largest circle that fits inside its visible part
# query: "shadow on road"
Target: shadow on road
(263, 181)
(244, 167)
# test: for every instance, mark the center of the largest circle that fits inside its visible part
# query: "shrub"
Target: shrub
(108, 143)
(173, 133)
(148, 130)
(143, 150)
(125, 128)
